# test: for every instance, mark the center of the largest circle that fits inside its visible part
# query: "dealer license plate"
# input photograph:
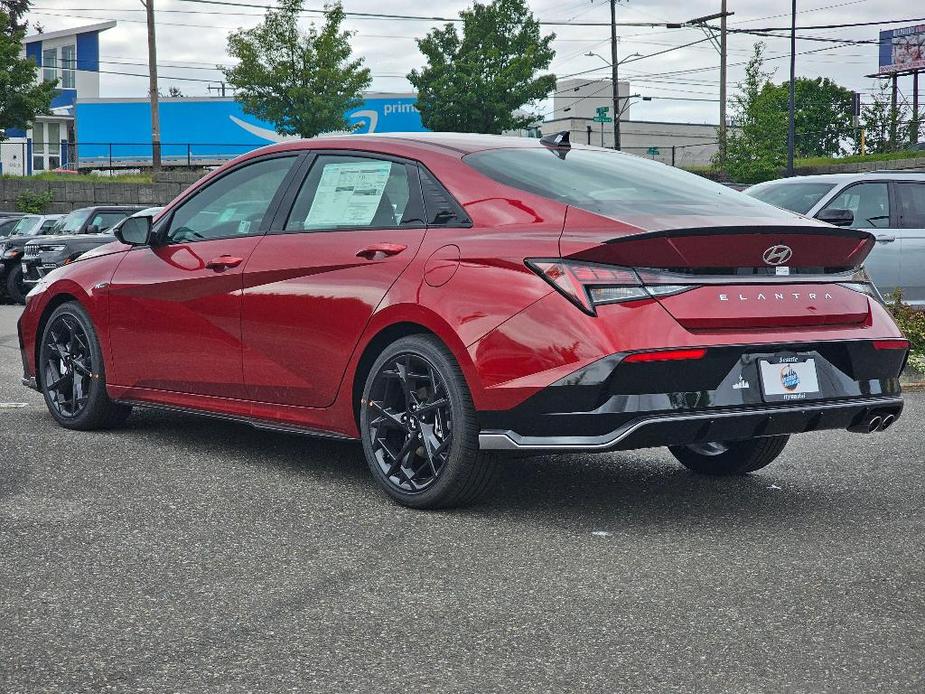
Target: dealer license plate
(788, 378)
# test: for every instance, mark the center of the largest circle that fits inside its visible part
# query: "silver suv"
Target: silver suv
(889, 204)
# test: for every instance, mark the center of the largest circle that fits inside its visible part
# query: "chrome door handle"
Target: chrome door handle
(883, 238)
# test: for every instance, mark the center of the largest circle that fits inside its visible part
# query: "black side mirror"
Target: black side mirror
(836, 216)
(135, 231)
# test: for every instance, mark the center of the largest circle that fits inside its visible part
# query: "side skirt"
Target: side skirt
(256, 423)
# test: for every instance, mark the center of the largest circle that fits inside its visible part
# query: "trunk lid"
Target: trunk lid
(742, 273)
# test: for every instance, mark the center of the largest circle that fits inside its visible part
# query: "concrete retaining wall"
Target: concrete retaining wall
(69, 195)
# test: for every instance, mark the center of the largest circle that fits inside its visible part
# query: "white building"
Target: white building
(72, 57)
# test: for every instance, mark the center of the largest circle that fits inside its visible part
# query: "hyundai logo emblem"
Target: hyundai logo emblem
(777, 255)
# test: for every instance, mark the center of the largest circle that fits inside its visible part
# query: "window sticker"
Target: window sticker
(348, 194)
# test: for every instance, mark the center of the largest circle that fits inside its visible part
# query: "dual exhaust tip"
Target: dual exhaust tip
(873, 423)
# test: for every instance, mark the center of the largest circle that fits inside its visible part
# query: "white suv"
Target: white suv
(889, 204)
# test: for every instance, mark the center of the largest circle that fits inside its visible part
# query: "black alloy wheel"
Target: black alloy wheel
(419, 427)
(411, 427)
(71, 372)
(67, 369)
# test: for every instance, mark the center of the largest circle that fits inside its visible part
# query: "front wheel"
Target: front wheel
(419, 428)
(731, 457)
(71, 373)
(16, 288)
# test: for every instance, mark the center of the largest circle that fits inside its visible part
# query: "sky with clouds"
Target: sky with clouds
(191, 41)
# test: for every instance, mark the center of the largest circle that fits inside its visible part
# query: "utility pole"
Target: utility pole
(722, 85)
(614, 74)
(791, 106)
(152, 88)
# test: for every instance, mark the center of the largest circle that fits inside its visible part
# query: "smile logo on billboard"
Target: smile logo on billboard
(789, 378)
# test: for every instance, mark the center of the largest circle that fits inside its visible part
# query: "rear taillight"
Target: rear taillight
(591, 284)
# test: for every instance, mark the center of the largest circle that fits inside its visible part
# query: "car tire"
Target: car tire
(732, 457)
(72, 375)
(15, 289)
(423, 454)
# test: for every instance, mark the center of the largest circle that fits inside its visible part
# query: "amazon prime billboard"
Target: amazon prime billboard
(207, 131)
(902, 50)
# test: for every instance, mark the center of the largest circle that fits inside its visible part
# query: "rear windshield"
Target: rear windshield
(797, 197)
(616, 184)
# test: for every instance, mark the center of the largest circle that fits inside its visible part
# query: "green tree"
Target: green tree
(22, 98)
(880, 120)
(16, 10)
(822, 115)
(302, 82)
(475, 82)
(756, 146)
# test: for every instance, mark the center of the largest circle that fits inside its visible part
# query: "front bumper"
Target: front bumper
(614, 405)
(35, 268)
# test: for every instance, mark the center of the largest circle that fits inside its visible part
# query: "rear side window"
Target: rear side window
(354, 192)
(614, 183)
(234, 205)
(796, 197)
(869, 202)
(911, 205)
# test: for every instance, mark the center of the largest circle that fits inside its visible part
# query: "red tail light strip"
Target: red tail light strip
(891, 344)
(667, 355)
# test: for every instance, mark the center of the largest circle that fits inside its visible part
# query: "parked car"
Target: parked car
(447, 298)
(75, 234)
(11, 250)
(890, 204)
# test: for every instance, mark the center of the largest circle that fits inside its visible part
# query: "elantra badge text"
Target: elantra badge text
(777, 255)
(778, 296)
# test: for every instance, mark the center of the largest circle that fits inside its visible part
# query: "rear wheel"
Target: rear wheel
(16, 289)
(731, 457)
(71, 372)
(419, 428)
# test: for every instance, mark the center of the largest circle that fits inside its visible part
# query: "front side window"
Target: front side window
(911, 205)
(353, 192)
(105, 220)
(868, 202)
(617, 184)
(234, 205)
(796, 197)
(72, 222)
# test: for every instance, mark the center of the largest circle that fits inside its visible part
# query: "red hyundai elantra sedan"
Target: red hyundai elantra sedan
(446, 299)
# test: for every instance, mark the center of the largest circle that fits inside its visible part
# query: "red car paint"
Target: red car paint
(279, 335)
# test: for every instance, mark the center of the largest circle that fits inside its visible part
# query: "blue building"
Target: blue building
(206, 130)
(72, 57)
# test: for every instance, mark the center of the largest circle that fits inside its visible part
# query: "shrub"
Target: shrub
(32, 202)
(912, 324)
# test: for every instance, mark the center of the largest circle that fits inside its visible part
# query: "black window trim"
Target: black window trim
(890, 198)
(461, 221)
(162, 227)
(415, 194)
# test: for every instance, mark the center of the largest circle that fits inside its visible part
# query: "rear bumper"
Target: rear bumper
(702, 427)
(617, 404)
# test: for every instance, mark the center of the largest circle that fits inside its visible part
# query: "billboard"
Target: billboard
(902, 50)
(207, 130)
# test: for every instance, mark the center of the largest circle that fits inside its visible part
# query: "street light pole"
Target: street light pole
(791, 106)
(614, 74)
(722, 85)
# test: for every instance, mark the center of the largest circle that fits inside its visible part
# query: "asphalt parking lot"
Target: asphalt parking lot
(186, 554)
